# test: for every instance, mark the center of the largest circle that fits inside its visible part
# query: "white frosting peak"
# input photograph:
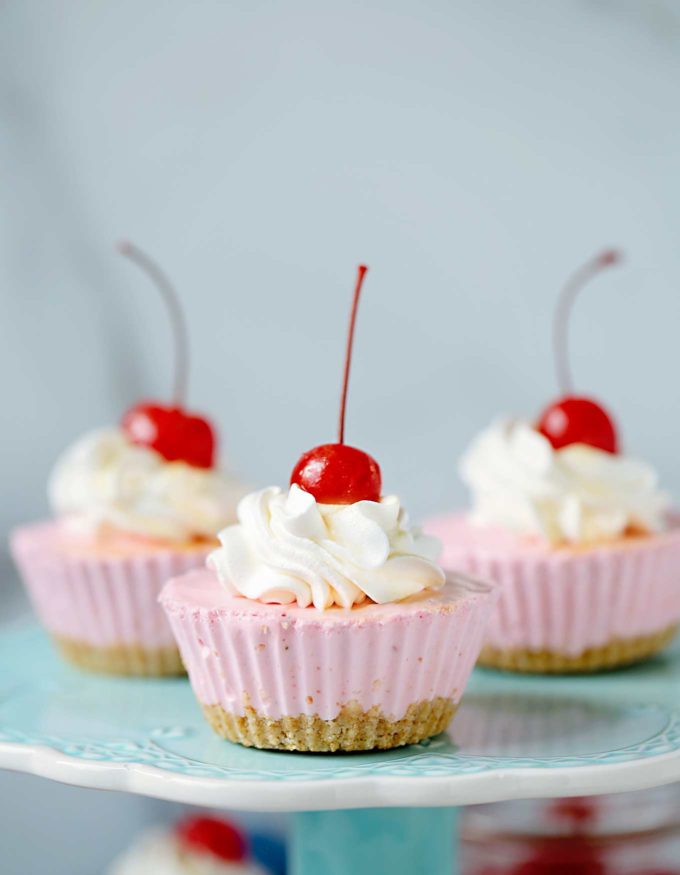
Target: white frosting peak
(103, 480)
(577, 494)
(288, 548)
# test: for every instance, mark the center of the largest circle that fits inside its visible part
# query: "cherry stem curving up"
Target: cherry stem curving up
(175, 312)
(574, 285)
(361, 273)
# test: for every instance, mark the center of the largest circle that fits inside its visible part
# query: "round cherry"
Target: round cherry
(179, 436)
(213, 836)
(574, 419)
(337, 473)
(176, 435)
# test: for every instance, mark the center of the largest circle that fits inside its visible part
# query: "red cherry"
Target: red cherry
(176, 435)
(337, 473)
(213, 835)
(573, 420)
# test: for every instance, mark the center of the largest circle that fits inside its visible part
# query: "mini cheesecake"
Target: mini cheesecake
(290, 678)
(576, 532)
(570, 609)
(97, 596)
(133, 505)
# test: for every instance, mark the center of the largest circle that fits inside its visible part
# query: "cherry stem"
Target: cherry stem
(565, 302)
(175, 312)
(361, 273)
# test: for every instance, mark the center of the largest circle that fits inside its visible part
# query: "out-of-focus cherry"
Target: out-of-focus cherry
(575, 419)
(169, 429)
(213, 836)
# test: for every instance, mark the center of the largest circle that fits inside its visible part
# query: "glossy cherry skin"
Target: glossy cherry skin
(214, 836)
(175, 434)
(338, 474)
(574, 420)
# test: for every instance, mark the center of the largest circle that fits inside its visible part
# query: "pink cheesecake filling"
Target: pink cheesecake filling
(568, 599)
(101, 591)
(282, 660)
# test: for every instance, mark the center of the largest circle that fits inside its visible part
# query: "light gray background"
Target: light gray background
(472, 153)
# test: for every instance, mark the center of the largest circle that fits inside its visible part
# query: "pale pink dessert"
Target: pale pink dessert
(275, 671)
(324, 622)
(133, 506)
(569, 608)
(97, 594)
(577, 533)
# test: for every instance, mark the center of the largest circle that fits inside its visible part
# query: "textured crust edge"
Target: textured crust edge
(121, 659)
(615, 653)
(353, 729)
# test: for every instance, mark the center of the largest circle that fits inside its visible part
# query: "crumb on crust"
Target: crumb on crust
(122, 659)
(614, 653)
(353, 728)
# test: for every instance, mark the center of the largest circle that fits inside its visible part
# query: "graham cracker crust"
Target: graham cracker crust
(353, 728)
(617, 652)
(122, 659)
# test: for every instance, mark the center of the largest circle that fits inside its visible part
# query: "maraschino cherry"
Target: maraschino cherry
(574, 419)
(167, 428)
(338, 473)
(213, 836)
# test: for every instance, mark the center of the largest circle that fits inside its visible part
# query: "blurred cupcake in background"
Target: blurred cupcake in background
(197, 845)
(133, 506)
(577, 533)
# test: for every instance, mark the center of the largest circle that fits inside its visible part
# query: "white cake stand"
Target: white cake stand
(514, 737)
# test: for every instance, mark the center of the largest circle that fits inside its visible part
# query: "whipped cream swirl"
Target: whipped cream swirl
(288, 548)
(577, 494)
(104, 481)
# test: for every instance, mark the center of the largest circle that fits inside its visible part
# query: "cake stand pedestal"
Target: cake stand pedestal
(370, 841)
(513, 737)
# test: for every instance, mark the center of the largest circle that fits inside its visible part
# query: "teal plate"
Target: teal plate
(514, 736)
